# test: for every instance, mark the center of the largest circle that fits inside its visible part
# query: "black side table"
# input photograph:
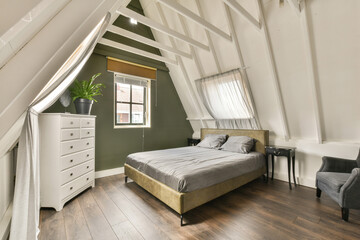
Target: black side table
(278, 151)
(193, 141)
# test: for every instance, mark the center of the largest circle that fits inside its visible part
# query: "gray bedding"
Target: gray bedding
(191, 168)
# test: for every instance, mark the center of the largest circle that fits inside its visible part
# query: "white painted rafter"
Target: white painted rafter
(310, 62)
(240, 56)
(274, 73)
(152, 24)
(137, 51)
(195, 18)
(242, 11)
(193, 95)
(211, 44)
(295, 5)
(192, 49)
(147, 41)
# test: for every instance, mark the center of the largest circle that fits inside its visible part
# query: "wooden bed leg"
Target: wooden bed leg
(126, 179)
(181, 220)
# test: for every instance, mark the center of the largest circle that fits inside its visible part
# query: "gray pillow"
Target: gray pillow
(213, 141)
(240, 144)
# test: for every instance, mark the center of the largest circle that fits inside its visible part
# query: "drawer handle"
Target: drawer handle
(71, 147)
(87, 143)
(88, 122)
(88, 133)
(71, 188)
(71, 122)
(71, 160)
(87, 155)
(71, 134)
(87, 167)
(87, 179)
(71, 174)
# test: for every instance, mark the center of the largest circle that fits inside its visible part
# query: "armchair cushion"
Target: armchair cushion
(333, 181)
(332, 164)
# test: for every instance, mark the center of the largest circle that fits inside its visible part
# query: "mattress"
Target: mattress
(188, 169)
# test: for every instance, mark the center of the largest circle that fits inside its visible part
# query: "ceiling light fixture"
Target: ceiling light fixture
(133, 21)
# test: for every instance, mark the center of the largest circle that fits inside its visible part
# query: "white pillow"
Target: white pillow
(240, 144)
(213, 141)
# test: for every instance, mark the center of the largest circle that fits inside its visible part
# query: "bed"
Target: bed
(185, 178)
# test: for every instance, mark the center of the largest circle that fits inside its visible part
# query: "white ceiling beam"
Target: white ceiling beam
(137, 51)
(192, 16)
(147, 41)
(149, 22)
(242, 11)
(193, 95)
(240, 56)
(211, 44)
(274, 73)
(295, 5)
(192, 49)
(113, 10)
(312, 70)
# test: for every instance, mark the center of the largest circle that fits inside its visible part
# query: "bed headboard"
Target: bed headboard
(262, 136)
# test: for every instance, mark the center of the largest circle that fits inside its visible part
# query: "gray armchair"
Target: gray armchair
(340, 179)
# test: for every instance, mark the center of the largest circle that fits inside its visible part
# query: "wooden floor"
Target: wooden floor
(258, 210)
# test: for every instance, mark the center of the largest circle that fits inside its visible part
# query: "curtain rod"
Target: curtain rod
(222, 73)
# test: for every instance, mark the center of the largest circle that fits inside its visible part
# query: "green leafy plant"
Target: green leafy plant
(86, 89)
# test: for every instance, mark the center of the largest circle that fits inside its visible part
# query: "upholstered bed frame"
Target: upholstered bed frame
(183, 202)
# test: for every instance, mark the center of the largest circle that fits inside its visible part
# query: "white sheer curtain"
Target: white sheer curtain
(228, 100)
(26, 205)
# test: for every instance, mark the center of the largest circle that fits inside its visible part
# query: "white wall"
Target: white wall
(6, 191)
(335, 39)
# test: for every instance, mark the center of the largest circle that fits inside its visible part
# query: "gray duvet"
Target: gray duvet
(191, 168)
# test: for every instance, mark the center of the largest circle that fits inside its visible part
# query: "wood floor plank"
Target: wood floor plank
(157, 212)
(112, 213)
(75, 224)
(126, 231)
(141, 222)
(52, 225)
(98, 225)
(254, 211)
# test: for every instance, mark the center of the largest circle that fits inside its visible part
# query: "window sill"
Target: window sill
(131, 126)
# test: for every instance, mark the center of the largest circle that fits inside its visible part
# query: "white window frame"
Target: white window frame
(147, 104)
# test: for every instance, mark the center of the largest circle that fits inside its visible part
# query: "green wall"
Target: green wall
(169, 127)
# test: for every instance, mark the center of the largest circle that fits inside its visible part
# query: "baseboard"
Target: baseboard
(307, 182)
(109, 172)
(5, 223)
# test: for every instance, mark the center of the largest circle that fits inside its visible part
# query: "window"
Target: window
(132, 101)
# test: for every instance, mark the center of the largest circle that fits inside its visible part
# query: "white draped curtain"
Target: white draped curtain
(26, 204)
(228, 99)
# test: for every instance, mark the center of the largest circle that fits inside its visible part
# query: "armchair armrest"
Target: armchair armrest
(331, 164)
(350, 191)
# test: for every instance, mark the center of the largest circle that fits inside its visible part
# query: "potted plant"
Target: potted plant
(83, 93)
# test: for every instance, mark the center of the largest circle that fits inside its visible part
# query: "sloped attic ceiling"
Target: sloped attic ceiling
(303, 74)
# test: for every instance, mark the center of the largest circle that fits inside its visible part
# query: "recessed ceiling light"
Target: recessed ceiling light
(133, 21)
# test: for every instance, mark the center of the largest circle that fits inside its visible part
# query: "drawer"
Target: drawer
(70, 134)
(278, 152)
(87, 122)
(68, 122)
(76, 158)
(87, 132)
(75, 172)
(78, 183)
(76, 145)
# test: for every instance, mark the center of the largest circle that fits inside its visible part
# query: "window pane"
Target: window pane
(137, 94)
(122, 113)
(123, 92)
(137, 113)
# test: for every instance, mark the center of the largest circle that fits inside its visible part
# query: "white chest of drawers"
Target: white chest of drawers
(67, 157)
